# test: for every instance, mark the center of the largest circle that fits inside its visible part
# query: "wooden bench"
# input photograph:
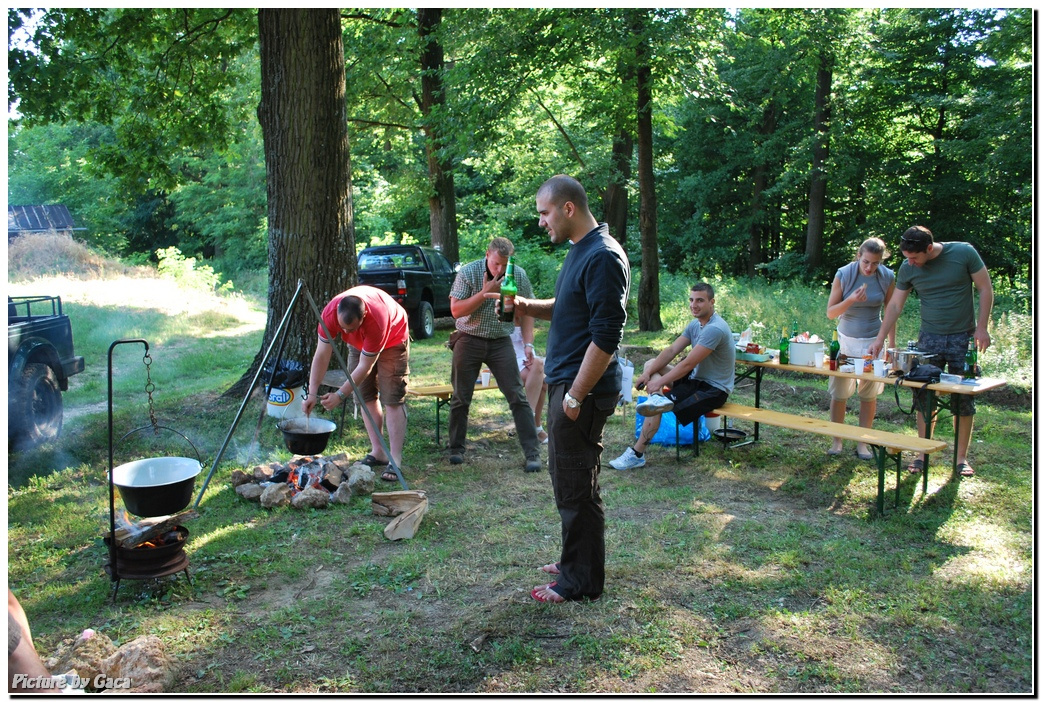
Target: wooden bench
(884, 444)
(442, 395)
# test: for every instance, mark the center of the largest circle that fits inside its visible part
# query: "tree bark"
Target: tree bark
(303, 116)
(818, 174)
(649, 301)
(760, 229)
(443, 233)
(616, 194)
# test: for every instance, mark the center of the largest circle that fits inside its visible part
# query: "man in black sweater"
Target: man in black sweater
(587, 315)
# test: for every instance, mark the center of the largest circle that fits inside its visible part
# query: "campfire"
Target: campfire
(170, 537)
(305, 481)
(320, 473)
(317, 481)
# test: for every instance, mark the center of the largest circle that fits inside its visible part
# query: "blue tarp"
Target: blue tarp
(666, 434)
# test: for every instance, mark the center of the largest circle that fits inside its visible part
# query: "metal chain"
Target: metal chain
(149, 389)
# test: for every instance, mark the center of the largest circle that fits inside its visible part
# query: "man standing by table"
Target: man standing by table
(484, 339)
(587, 315)
(943, 274)
(376, 328)
(698, 384)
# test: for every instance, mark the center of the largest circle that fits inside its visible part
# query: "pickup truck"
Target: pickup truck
(40, 360)
(418, 277)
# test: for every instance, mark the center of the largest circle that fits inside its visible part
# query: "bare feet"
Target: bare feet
(551, 568)
(546, 594)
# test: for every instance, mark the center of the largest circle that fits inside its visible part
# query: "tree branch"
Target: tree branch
(560, 128)
(370, 18)
(376, 123)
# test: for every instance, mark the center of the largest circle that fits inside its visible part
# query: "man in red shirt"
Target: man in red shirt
(375, 327)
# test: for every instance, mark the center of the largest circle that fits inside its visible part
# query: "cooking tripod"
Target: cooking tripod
(279, 337)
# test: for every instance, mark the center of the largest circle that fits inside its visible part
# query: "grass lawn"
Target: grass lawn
(754, 569)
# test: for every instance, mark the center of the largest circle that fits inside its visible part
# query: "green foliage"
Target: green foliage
(185, 271)
(154, 143)
(388, 238)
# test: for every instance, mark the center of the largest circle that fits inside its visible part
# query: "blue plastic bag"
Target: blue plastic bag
(666, 434)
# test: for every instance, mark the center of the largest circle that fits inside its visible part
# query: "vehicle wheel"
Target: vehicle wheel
(423, 321)
(37, 415)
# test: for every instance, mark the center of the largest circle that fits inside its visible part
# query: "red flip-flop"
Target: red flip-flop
(539, 595)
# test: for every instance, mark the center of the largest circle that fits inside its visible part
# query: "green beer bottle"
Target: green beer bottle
(507, 292)
(783, 346)
(971, 361)
(833, 351)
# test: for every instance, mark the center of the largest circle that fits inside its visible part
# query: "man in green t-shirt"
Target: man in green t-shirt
(943, 274)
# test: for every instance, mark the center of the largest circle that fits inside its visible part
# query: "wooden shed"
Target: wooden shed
(30, 219)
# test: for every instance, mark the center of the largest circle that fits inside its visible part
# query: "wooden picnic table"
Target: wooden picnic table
(442, 395)
(937, 395)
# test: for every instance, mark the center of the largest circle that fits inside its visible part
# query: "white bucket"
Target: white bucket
(713, 421)
(286, 403)
(627, 379)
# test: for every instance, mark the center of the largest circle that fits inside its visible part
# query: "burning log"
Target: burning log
(408, 506)
(151, 528)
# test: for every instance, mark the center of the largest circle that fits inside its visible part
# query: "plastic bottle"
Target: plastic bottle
(833, 350)
(507, 292)
(783, 346)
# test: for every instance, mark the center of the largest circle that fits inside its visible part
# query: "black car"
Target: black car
(418, 277)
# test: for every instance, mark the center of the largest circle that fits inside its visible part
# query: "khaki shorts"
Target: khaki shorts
(388, 379)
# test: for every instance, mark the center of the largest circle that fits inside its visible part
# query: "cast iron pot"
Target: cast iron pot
(905, 361)
(306, 437)
(153, 487)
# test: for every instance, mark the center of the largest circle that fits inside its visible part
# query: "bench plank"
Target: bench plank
(850, 432)
(880, 441)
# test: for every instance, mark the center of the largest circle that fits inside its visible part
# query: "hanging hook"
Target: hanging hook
(149, 389)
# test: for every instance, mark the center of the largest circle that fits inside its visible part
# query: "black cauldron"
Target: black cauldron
(306, 437)
(153, 487)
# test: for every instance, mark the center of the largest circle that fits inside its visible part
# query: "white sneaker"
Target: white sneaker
(654, 405)
(628, 460)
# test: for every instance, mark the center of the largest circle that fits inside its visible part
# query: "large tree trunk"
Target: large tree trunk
(616, 194)
(760, 228)
(303, 116)
(649, 301)
(818, 174)
(443, 235)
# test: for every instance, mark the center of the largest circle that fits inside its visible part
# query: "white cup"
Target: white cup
(879, 366)
(818, 359)
(486, 378)
(858, 365)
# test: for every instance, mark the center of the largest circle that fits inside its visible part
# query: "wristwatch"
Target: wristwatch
(571, 402)
(339, 394)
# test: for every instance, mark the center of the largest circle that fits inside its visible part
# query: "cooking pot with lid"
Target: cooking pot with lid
(906, 360)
